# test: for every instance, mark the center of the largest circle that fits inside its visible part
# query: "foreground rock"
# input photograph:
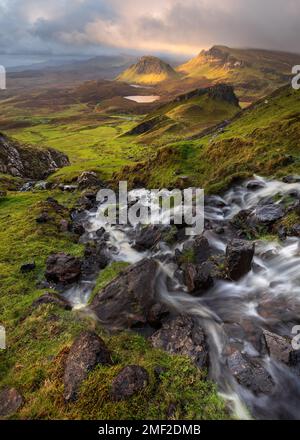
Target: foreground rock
(86, 353)
(268, 213)
(28, 162)
(182, 336)
(10, 402)
(278, 347)
(51, 298)
(62, 268)
(198, 278)
(250, 374)
(131, 380)
(88, 179)
(239, 255)
(130, 300)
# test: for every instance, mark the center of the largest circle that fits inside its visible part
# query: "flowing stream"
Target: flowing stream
(231, 313)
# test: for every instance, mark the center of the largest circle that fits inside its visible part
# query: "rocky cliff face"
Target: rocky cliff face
(29, 162)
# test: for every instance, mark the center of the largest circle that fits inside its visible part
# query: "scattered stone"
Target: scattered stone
(131, 380)
(250, 374)
(88, 179)
(63, 268)
(268, 213)
(10, 402)
(291, 179)
(278, 347)
(27, 267)
(96, 257)
(182, 336)
(148, 237)
(200, 248)
(51, 298)
(87, 351)
(254, 185)
(239, 255)
(131, 299)
(198, 277)
(3, 194)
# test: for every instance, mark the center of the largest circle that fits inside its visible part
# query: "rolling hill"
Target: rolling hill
(253, 72)
(188, 114)
(262, 139)
(148, 70)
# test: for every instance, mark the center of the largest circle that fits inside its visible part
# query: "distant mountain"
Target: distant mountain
(189, 114)
(148, 70)
(253, 72)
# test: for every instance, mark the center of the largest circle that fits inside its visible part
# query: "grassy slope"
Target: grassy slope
(264, 139)
(38, 339)
(186, 118)
(91, 140)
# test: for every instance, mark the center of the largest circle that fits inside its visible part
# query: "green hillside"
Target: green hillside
(262, 139)
(188, 114)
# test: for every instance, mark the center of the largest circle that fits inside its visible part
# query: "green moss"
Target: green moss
(107, 275)
(38, 339)
(181, 384)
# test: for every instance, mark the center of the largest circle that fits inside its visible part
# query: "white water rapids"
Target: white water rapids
(230, 312)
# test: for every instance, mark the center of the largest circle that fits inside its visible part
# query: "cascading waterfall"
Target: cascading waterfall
(267, 297)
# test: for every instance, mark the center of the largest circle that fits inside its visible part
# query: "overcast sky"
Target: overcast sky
(146, 26)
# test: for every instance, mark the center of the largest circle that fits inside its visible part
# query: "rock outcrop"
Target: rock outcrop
(29, 162)
(131, 299)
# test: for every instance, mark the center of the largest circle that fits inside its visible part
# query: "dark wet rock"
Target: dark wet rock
(200, 249)
(84, 204)
(131, 380)
(100, 232)
(198, 277)
(214, 201)
(148, 237)
(56, 206)
(239, 254)
(291, 179)
(294, 361)
(27, 267)
(131, 299)
(87, 351)
(295, 230)
(182, 336)
(241, 222)
(10, 402)
(279, 348)
(88, 179)
(255, 185)
(268, 213)
(282, 232)
(52, 298)
(95, 257)
(250, 374)
(63, 268)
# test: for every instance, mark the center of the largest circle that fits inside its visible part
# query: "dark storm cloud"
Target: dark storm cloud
(159, 25)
